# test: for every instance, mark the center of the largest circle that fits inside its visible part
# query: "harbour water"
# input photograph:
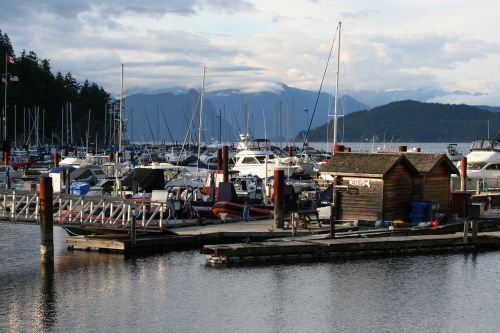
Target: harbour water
(176, 292)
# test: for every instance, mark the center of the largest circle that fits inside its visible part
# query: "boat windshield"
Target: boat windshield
(475, 165)
(485, 144)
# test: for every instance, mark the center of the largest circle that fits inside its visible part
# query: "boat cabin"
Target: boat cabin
(372, 186)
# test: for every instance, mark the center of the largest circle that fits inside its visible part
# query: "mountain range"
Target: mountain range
(277, 115)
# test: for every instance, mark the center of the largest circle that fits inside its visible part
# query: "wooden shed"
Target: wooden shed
(376, 186)
(433, 181)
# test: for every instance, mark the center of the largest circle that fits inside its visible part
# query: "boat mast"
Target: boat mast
(4, 115)
(200, 119)
(336, 92)
(120, 129)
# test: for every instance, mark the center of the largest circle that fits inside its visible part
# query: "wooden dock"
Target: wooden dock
(193, 237)
(306, 249)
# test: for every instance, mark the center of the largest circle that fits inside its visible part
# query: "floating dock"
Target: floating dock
(320, 249)
(193, 237)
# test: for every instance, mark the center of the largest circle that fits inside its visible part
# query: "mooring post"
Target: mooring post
(225, 166)
(333, 208)
(46, 220)
(290, 151)
(219, 159)
(475, 227)
(279, 199)
(67, 181)
(463, 173)
(6, 152)
(403, 149)
(133, 229)
(57, 159)
(466, 224)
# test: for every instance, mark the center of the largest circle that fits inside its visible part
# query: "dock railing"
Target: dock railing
(24, 206)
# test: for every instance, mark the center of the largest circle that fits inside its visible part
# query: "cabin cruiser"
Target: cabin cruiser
(262, 163)
(483, 163)
(208, 159)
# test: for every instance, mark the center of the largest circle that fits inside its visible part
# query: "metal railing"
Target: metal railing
(24, 206)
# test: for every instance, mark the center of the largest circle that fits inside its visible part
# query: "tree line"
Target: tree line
(38, 100)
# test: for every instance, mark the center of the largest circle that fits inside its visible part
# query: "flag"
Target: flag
(14, 78)
(10, 59)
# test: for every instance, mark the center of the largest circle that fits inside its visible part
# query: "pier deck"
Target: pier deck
(191, 237)
(318, 249)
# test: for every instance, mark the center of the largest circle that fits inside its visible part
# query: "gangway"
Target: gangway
(21, 206)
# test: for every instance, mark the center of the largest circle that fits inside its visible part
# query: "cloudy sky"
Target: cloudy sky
(256, 44)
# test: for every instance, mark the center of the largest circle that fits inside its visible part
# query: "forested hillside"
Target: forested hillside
(35, 92)
(410, 121)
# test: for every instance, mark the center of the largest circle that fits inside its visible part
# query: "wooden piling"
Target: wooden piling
(133, 229)
(6, 152)
(110, 156)
(419, 150)
(290, 151)
(463, 173)
(333, 208)
(57, 159)
(225, 166)
(46, 220)
(279, 199)
(219, 159)
(403, 149)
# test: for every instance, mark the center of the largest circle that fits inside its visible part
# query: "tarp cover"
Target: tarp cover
(147, 179)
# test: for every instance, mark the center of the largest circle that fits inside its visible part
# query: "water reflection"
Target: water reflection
(46, 309)
(176, 292)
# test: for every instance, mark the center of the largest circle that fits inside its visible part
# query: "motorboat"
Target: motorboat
(483, 163)
(452, 151)
(256, 157)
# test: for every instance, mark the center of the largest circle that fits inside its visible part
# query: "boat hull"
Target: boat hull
(236, 210)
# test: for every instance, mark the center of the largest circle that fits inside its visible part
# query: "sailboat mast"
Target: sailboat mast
(336, 92)
(4, 114)
(120, 128)
(201, 114)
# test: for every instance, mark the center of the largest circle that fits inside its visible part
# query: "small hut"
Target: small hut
(433, 181)
(374, 186)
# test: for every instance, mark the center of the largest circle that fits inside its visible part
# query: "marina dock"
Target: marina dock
(322, 249)
(192, 237)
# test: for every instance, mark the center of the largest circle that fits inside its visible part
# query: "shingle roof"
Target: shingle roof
(364, 163)
(426, 162)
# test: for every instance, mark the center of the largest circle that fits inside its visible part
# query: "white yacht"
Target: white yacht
(257, 158)
(483, 163)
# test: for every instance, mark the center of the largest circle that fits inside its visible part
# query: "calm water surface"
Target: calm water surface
(175, 292)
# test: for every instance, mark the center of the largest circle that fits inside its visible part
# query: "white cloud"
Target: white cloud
(256, 44)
